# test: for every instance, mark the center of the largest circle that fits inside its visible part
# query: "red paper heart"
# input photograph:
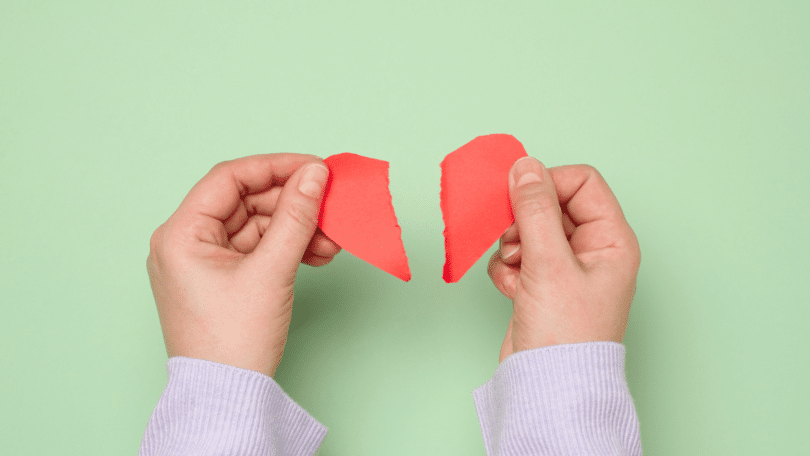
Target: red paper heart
(475, 199)
(357, 213)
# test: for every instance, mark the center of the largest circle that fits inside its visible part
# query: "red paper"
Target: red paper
(475, 199)
(358, 215)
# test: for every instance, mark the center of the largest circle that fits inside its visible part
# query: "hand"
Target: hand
(568, 263)
(223, 266)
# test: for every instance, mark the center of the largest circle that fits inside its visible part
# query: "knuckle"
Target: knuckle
(220, 165)
(537, 202)
(155, 242)
(589, 170)
(546, 204)
(628, 260)
(301, 213)
(635, 249)
(267, 167)
(592, 169)
(156, 239)
(492, 265)
(527, 197)
(156, 248)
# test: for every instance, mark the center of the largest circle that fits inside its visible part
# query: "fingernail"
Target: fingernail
(508, 251)
(313, 180)
(526, 170)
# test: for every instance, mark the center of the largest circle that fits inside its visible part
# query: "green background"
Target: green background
(696, 113)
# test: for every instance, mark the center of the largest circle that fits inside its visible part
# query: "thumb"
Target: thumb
(294, 219)
(537, 215)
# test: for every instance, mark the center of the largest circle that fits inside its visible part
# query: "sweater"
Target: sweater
(560, 400)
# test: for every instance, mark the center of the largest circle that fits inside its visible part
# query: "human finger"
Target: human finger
(594, 209)
(503, 276)
(247, 238)
(218, 193)
(237, 219)
(511, 234)
(295, 218)
(321, 245)
(512, 237)
(568, 225)
(538, 215)
(584, 192)
(263, 203)
(315, 260)
(510, 252)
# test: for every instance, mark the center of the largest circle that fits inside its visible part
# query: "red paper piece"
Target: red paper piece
(475, 199)
(358, 215)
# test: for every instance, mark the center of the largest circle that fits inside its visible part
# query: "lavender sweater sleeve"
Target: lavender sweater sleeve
(565, 399)
(560, 400)
(210, 408)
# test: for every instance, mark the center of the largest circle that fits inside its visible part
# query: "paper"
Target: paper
(358, 215)
(475, 199)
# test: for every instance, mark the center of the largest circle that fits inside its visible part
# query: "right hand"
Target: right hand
(568, 263)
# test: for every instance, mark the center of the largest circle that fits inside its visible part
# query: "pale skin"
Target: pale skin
(223, 266)
(568, 263)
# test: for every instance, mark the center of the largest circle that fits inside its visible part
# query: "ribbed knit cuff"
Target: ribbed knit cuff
(211, 408)
(563, 399)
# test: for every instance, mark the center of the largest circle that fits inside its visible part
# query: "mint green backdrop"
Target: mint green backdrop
(696, 113)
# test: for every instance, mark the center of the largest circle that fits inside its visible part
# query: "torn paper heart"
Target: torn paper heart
(357, 213)
(475, 199)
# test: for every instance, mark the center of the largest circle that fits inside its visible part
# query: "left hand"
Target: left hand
(223, 266)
